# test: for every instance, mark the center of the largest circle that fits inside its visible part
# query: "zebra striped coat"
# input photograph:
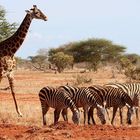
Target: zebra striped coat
(82, 97)
(57, 99)
(132, 89)
(112, 97)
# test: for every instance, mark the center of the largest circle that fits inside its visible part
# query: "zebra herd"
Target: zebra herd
(115, 95)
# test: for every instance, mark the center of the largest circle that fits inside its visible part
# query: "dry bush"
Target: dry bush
(82, 79)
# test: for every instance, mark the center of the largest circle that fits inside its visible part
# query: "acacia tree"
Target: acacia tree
(6, 28)
(93, 51)
(39, 62)
(61, 60)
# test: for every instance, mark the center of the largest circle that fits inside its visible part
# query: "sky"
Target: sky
(75, 20)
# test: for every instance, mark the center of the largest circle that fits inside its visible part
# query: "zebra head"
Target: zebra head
(101, 113)
(76, 116)
(130, 112)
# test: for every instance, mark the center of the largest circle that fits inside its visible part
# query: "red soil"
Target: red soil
(63, 131)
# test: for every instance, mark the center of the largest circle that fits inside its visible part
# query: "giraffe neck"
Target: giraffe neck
(10, 46)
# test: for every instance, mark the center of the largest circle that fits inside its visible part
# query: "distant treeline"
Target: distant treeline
(95, 53)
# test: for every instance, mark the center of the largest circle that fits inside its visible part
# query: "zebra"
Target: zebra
(112, 97)
(133, 90)
(98, 91)
(82, 97)
(57, 99)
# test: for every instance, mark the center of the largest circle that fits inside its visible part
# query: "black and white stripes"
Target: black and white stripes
(82, 97)
(57, 99)
(99, 97)
(132, 89)
(113, 97)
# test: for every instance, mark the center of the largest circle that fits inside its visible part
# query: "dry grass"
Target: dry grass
(28, 84)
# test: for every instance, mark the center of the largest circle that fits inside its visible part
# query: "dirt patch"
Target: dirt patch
(64, 131)
(9, 131)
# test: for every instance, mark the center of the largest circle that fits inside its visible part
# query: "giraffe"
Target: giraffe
(9, 47)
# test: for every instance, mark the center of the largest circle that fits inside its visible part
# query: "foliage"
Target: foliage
(19, 60)
(61, 60)
(39, 62)
(37, 59)
(6, 29)
(22, 63)
(91, 50)
(130, 64)
(133, 58)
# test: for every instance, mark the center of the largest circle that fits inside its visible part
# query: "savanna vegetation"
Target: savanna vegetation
(6, 28)
(92, 54)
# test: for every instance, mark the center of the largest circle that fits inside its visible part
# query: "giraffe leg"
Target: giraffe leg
(11, 83)
(7, 88)
(6, 66)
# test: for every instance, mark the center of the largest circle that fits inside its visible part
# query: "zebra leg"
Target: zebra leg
(108, 114)
(114, 113)
(0, 76)
(56, 115)
(45, 109)
(90, 115)
(65, 114)
(136, 104)
(129, 114)
(85, 114)
(121, 119)
(137, 113)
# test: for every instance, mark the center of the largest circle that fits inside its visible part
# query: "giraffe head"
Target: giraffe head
(37, 13)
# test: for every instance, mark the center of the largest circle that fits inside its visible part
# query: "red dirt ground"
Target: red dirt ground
(63, 131)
